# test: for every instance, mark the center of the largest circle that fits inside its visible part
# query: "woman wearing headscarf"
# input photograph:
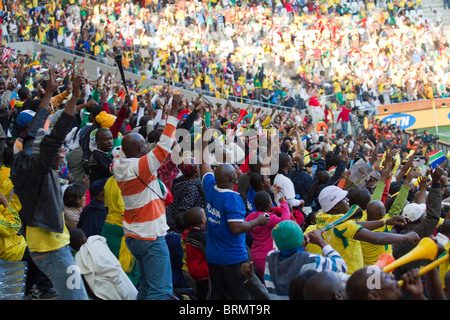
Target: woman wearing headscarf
(187, 193)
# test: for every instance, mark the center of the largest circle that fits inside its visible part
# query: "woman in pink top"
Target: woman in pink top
(262, 238)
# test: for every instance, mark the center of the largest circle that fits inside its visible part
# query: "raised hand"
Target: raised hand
(437, 174)
(176, 102)
(77, 83)
(386, 174)
(52, 83)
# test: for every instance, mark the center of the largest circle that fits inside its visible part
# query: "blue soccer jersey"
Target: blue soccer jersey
(223, 206)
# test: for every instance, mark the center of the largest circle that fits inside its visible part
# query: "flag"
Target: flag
(436, 158)
(135, 104)
(64, 171)
(5, 55)
(121, 94)
(12, 101)
(112, 99)
(166, 194)
(36, 56)
(29, 83)
(96, 95)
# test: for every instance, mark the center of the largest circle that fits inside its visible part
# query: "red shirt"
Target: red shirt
(344, 115)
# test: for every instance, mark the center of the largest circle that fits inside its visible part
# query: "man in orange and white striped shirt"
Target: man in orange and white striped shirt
(144, 219)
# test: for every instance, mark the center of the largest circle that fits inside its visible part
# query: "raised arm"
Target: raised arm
(205, 166)
(164, 146)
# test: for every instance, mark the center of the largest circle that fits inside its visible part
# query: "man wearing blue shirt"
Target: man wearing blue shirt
(226, 248)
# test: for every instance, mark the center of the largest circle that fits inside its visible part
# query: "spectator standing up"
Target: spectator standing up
(40, 192)
(226, 248)
(144, 220)
(344, 117)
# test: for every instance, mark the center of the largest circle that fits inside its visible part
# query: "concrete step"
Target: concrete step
(438, 5)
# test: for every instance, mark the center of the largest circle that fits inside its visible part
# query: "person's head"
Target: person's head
(287, 235)
(189, 168)
(8, 156)
(74, 195)
(22, 123)
(285, 162)
(237, 169)
(414, 212)
(105, 120)
(24, 93)
(97, 189)
(298, 283)
(259, 182)
(225, 175)
(134, 145)
(77, 239)
(194, 217)
(298, 161)
(446, 193)
(363, 199)
(375, 210)
(154, 136)
(358, 288)
(352, 195)
(333, 200)
(95, 111)
(445, 228)
(255, 163)
(323, 176)
(263, 201)
(325, 285)
(104, 139)
(310, 219)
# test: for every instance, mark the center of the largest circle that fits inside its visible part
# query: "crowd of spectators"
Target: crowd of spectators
(92, 178)
(91, 175)
(293, 53)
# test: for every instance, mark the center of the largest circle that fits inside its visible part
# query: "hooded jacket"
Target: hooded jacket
(283, 266)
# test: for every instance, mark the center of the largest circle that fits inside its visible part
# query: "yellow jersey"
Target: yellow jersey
(371, 252)
(337, 86)
(4, 174)
(12, 245)
(114, 202)
(445, 266)
(341, 239)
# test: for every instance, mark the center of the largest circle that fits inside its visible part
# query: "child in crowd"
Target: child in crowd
(262, 242)
(194, 237)
(74, 200)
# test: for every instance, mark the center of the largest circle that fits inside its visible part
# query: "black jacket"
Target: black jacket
(35, 182)
(302, 181)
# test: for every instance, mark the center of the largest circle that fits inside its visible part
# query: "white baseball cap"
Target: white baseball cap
(413, 211)
(331, 196)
